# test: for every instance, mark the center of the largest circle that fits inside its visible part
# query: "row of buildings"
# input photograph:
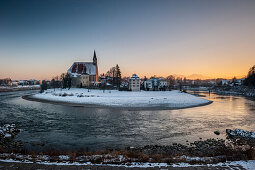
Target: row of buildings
(9, 82)
(162, 84)
(134, 83)
(85, 74)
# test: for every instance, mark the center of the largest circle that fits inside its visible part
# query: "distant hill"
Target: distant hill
(197, 76)
(202, 77)
(193, 76)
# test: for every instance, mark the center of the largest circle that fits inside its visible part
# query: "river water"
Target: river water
(45, 126)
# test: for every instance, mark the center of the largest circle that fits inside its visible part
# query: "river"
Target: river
(45, 126)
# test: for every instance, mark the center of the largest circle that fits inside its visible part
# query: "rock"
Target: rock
(7, 135)
(217, 132)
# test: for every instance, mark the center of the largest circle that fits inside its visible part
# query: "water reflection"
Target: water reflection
(77, 127)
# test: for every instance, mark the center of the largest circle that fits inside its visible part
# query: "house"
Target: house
(105, 80)
(15, 83)
(22, 82)
(155, 84)
(134, 83)
(124, 85)
(148, 84)
(6, 82)
(84, 74)
(162, 84)
(239, 82)
(224, 82)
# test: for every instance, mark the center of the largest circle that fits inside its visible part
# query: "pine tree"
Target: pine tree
(118, 76)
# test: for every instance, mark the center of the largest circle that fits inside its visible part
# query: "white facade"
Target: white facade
(224, 82)
(134, 83)
(155, 84)
(162, 84)
(148, 84)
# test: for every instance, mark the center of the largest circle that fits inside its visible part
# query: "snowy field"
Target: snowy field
(114, 98)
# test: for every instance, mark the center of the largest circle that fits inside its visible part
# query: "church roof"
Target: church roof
(79, 68)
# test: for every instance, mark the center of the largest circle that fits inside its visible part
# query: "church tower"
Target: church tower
(95, 63)
(95, 58)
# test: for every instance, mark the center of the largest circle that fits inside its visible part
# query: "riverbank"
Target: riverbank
(236, 90)
(228, 90)
(238, 146)
(54, 126)
(11, 164)
(18, 88)
(142, 100)
(122, 159)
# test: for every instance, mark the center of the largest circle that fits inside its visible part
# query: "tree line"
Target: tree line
(115, 74)
(63, 81)
(250, 79)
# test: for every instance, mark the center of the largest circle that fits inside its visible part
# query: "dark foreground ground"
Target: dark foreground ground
(34, 166)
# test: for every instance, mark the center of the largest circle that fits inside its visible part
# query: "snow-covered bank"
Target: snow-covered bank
(167, 99)
(8, 131)
(19, 88)
(249, 165)
(7, 134)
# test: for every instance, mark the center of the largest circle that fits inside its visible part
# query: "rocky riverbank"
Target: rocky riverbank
(7, 134)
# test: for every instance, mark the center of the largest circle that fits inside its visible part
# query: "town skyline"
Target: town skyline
(40, 39)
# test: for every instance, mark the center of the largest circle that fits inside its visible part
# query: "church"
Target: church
(84, 74)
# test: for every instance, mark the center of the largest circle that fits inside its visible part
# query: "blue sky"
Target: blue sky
(41, 39)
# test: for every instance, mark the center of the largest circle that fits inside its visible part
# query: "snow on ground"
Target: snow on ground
(241, 133)
(249, 165)
(171, 99)
(19, 87)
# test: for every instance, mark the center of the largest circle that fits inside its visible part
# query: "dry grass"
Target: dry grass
(131, 155)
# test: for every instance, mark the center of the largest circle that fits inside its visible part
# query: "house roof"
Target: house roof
(134, 76)
(79, 68)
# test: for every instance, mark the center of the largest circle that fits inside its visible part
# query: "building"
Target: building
(239, 82)
(163, 84)
(155, 84)
(148, 84)
(6, 82)
(224, 82)
(134, 83)
(84, 74)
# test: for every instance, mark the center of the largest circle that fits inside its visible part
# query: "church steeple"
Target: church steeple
(95, 58)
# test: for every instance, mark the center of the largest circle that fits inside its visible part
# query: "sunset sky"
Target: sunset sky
(41, 39)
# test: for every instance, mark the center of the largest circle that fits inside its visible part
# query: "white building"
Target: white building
(148, 84)
(155, 84)
(163, 84)
(134, 83)
(224, 82)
